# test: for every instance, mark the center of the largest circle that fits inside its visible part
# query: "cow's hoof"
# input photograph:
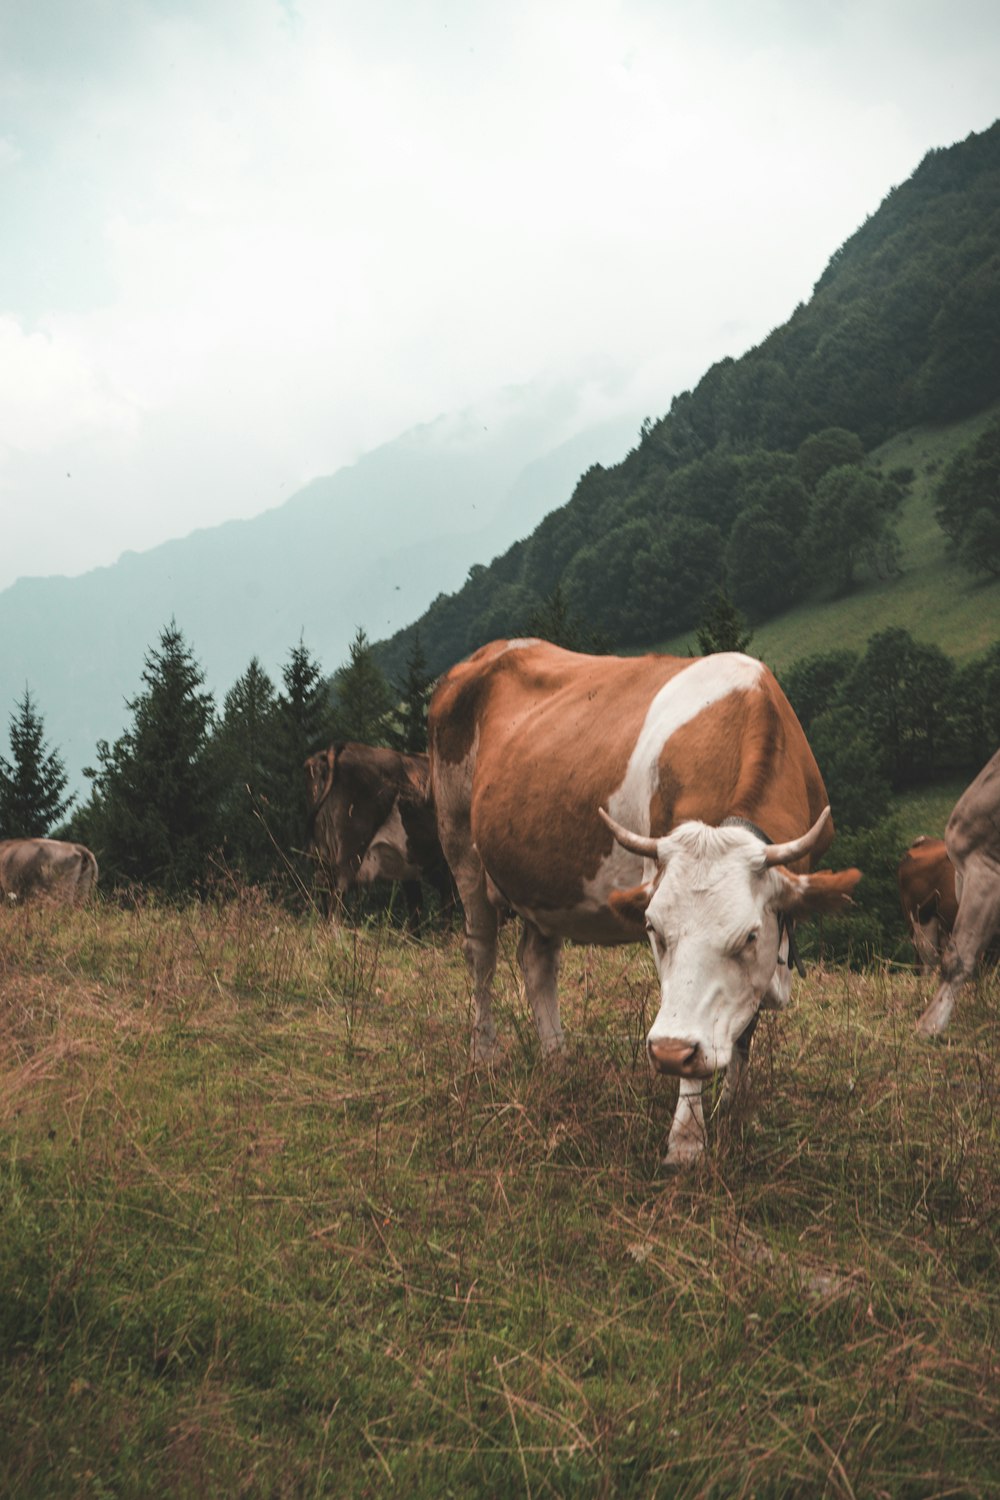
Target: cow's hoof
(930, 1027)
(683, 1156)
(934, 1019)
(483, 1050)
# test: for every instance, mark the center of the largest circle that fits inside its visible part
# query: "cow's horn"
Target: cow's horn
(787, 854)
(637, 843)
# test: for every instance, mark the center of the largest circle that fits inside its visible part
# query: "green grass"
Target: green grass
(935, 599)
(926, 810)
(265, 1234)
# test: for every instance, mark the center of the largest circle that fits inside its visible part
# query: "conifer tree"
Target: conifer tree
(410, 729)
(363, 696)
(554, 621)
(243, 747)
(302, 723)
(723, 628)
(33, 781)
(157, 786)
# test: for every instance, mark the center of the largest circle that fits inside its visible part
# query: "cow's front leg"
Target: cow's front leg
(738, 1062)
(539, 959)
(686, 1143)
(978, 919)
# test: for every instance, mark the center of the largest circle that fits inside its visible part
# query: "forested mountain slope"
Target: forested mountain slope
(740, 482)
(931, 594)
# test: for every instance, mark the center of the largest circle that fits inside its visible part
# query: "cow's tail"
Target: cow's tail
(86, 880)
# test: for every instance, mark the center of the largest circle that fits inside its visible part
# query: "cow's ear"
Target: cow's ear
(630, 906)
(806, 896)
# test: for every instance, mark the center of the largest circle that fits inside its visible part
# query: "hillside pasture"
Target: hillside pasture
(933, 597)
(266, 1234)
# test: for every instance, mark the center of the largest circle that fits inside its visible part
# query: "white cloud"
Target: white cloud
(252, 240)
(51, 394)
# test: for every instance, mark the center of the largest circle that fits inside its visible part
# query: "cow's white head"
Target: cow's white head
(712, 908)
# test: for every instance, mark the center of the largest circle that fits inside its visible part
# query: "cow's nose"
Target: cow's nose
(669, 1054)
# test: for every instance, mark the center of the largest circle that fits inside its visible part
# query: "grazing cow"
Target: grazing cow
(927, 892)
(528, 741)
(46, 868)
(371, 818)
(972, 838)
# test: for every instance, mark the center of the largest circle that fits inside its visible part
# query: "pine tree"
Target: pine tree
(157, 786)
(302, 723)
(363, 696)
(723, 628)
(243, 749)
(554, 621)
(33, 782)
(410, 728)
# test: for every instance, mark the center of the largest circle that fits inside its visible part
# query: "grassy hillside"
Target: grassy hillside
(937, 601)
(926, 810)
(265, 1234)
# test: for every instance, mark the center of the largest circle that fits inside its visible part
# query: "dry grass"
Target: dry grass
(264, 1233)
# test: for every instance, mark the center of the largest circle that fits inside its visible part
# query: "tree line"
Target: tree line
(193, 792)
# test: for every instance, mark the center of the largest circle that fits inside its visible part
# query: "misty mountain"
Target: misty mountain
(371, 546)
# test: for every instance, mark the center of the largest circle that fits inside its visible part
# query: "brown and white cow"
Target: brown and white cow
(528, 741)
(927, 893)
(46, 868)
(972, 839)
(371, 818)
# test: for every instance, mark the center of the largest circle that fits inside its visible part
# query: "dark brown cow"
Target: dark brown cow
(972, 838)
(371, 818)
(927, 893)
(528, 742)
(46, 868)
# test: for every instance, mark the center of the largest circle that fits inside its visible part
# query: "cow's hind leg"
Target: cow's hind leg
(978, 919)
(539, 958)
(481, 924)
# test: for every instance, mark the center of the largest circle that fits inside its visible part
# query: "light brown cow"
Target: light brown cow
(46, 868)
(972, 838)
(927, 893)
(528, 741)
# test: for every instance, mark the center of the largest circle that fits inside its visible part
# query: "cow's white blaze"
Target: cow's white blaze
(706, 681)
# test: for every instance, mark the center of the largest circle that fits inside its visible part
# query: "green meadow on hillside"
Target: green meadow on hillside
(933, 598)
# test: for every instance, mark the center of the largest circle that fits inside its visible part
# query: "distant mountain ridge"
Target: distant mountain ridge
(368, 546)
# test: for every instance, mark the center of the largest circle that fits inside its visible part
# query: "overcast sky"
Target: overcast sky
(244, 241)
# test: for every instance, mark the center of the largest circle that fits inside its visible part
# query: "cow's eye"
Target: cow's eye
(751, 938)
